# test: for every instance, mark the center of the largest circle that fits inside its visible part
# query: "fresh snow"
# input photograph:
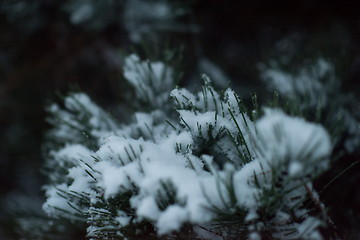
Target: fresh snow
(147, 154)
(292, 141)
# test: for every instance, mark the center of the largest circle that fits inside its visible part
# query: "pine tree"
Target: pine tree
(188, 165)
(315, 85)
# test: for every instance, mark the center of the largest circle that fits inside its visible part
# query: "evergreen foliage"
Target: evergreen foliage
(209, 170)
(315, 85)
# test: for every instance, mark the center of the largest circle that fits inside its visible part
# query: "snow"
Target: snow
(113, 177)
(245, 191)
(146, 207)
(71, 153)
(55, 200)
(80, 180)
(152, 81)
(184, 97)
(206, 100)
(123, 218)
(172, 219)
(306, 81)
(307, 229)
(317, 86)
(98, 118)
(295, 168)
(145, 155)
(200, 122)
(144, 121)
(284, 139)
(159, 162)
(209, 116)
(119, 150)
(282, 81)
(80, 118)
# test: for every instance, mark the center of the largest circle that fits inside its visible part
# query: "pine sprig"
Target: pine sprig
(211, 168)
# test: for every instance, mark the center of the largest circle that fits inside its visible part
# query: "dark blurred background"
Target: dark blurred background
(49, 46)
